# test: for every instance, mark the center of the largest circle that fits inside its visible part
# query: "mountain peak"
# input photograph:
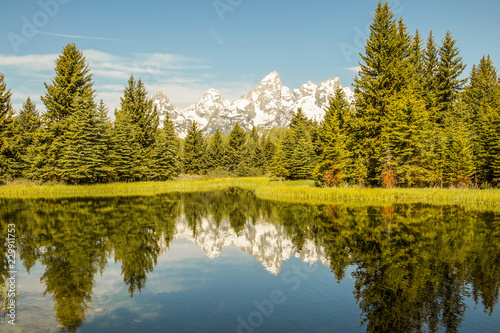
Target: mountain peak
(271, 77)
(269, 104)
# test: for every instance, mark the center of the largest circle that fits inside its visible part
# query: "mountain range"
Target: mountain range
(268, 243)
(269, 104)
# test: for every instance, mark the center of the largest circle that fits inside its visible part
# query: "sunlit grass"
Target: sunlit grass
(265, 188)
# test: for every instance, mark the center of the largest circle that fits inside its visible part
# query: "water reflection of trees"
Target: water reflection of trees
(414, 264)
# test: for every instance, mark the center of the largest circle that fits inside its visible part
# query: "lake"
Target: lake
(226, 261)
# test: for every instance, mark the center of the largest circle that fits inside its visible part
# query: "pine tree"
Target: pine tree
(26, 124)
(127, 157)
(103, 145)
(383, 73)
(278, 162)
(217, 153)
(6, 123)
(482, 98)
(406, 136)
(70, 91)
(459, 170)
(136, 125)
(194, 148)
(332, 163)
(269, 148)
(430, 77)
(300, 157)
(81, 156)
(237, 140)
(448, 83)
(166, 149)
(141, 110)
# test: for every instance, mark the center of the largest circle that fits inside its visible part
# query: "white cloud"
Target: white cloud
(81, 37)
(183, 79)
(354, 69)
(32, 62)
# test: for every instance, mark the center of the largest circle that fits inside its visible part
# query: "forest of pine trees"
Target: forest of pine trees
(415, 122)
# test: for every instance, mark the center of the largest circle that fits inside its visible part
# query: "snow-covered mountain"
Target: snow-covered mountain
(269, 104)
(267, 242)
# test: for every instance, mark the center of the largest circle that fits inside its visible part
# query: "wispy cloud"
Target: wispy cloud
(81, 37)
(182, 77)
(354, 69)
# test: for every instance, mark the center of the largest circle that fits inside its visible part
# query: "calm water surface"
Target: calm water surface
(226, 261)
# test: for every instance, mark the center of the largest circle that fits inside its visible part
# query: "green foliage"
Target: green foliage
(237, 138)
(166, 151)
(69, 93)
(6, 128)
(26, 125)
(448, 83)
(482, 99)
(194, 151)
(127, 154)
(217, 153)
(412, 265)
(332, 142)
(141, 112)
(384, 72)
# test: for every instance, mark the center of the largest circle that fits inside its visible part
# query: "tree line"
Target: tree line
(415, 122)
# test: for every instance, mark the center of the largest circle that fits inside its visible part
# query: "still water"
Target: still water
(227, 261)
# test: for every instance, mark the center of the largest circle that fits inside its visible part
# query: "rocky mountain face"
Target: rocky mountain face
(269, 104)
(265, 241)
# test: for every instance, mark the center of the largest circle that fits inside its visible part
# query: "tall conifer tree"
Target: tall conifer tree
(70, 90)
(332, 163)
(217, 153)
(377, 81)
(194, 151)
(6, 115)
(166, 150)
(26, 124)
(448, 83)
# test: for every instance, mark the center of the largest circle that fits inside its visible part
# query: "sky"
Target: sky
(185, 47)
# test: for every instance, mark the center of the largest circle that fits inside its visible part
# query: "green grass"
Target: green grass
(293, 191)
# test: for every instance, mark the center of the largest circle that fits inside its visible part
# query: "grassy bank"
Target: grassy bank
(297, 191)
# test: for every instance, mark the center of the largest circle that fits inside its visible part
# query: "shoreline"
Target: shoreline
(265, 188)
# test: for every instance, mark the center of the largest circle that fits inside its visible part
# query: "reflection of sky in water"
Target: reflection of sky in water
(254, 263)
(188, 292)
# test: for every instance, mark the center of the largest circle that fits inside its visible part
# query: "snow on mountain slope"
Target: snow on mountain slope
(269, 104)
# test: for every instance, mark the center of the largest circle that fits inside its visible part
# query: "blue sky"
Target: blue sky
(185, 47)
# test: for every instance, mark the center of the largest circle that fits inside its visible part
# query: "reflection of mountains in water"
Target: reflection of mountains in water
(265, 241)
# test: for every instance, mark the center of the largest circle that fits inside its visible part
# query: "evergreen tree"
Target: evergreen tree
(332, 163)
(142, 112)
(482, 98)
(406, 136)
(26, 124)
(460, 167)
(278, 162)
(103, 145)
(194, 148)
(237, 140)
(383, 73)
(269, 148)
(298, 148)
(126, 152)
(166, 150)
(70, 91)
(448, 83)
(83, 154)
(6, 116)
(430, 77)
(217, 153)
